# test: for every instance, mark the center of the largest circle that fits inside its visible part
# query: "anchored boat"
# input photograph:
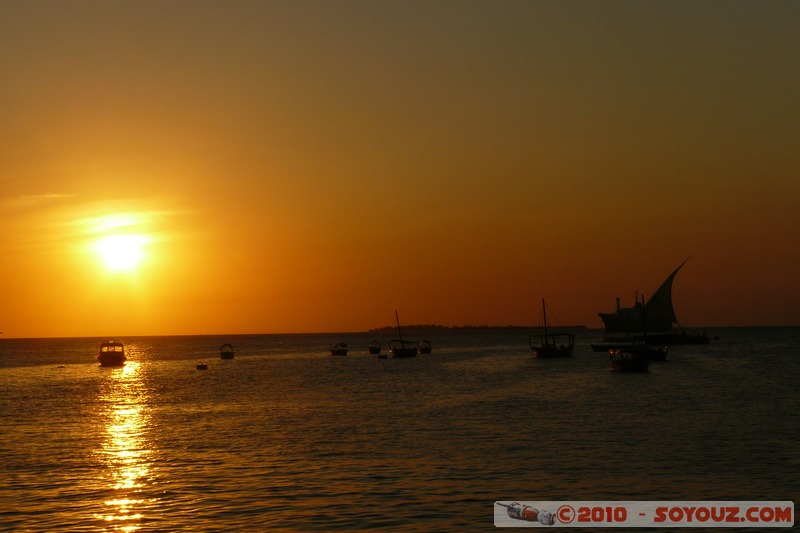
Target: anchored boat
(226, 352)
(399, 347)
(338, 349)
(629, 360)
(551, 345)
(636, 354)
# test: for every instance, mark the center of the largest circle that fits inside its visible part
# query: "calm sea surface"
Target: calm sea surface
(285, 436)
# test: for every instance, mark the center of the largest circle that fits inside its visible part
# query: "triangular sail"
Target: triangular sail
(658, 313)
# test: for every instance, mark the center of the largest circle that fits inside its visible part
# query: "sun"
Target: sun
(121, 253)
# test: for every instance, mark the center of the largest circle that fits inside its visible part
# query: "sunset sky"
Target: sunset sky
(193, 167)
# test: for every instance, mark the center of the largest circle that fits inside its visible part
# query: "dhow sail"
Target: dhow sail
(658, 314)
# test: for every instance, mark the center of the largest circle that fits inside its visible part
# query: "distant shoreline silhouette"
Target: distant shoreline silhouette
(477, 329)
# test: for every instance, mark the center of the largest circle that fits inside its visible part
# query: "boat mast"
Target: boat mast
(544, 314)
(399, 333)
(644, 320)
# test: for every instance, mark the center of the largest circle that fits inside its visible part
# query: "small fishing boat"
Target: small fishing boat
(338, 349)
(424, 346)
(628, 360)
(400, 347)
(551, 345)
(633, 353)
(374, 347)
(112, 354)
(226, 352)
(636, 355)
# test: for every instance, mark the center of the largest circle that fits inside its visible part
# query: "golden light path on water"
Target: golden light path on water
(125, 452)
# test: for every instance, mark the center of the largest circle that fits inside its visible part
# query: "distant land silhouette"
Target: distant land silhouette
(421, 328)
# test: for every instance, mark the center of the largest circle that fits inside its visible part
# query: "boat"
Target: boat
(374, 347)
(400, 347)
(202, 367)
(628, 360)
(623, 318)
(659, 315)
(340, 348)
(635, 353)
(551, 345)
(112, 354)
(424, 346)
(226, 352)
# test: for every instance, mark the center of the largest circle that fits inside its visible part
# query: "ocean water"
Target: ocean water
(286, 437)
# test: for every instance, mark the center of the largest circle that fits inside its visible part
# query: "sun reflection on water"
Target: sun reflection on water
(125, 451)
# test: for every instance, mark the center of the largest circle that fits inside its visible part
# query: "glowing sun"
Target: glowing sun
(121, 252)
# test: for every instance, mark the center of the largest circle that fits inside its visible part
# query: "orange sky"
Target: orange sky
(312, 166)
